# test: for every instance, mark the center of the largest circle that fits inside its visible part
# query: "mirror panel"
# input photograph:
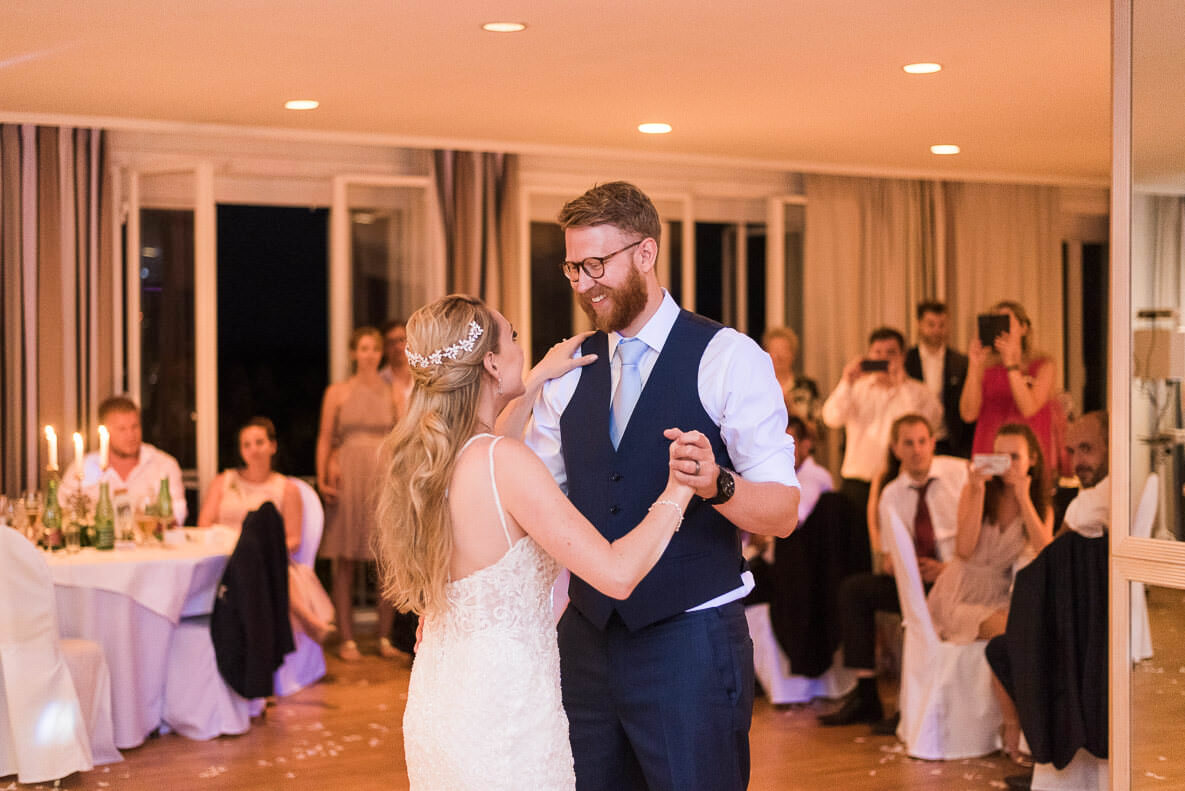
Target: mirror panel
(1158, 687)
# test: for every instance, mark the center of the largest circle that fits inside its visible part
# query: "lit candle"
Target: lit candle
(104, 444)
(51, 438)
(78, 452)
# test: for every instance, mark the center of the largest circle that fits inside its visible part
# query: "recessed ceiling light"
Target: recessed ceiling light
(922, 68)
(654, 128)
(944, 149)
(302, 104)
(504, 27)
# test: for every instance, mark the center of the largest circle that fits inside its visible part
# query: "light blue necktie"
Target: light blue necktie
(629, 386)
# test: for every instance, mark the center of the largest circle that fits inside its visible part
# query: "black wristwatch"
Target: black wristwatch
(725, 486)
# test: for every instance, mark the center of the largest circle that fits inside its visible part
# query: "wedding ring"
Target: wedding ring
(697, 468)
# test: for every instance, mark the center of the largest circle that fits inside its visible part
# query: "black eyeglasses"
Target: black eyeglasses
(593, 267)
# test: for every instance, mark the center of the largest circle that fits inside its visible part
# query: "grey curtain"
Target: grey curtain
(474, 192)
(55, 285)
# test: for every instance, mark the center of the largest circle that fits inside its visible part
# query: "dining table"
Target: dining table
(130, 600)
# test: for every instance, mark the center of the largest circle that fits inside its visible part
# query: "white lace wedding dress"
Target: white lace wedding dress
(483, 705)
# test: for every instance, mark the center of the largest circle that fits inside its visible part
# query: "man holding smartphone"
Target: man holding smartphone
(872, 393)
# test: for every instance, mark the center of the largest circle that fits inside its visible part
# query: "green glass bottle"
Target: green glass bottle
(104, 520)
(51, 518)
(164, 505)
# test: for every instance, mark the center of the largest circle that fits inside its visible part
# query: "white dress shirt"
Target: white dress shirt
(737, 388)
(866, 411)
(1089, 514)
(142, 483)
(933, 371)
(949, 475)
(814, 479)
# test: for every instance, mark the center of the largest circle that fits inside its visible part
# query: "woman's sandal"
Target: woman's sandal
(1010, 746)
(348, 651)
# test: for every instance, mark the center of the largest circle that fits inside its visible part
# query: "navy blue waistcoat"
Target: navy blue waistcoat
(614, 488)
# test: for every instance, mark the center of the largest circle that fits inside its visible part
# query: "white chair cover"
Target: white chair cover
(1141, 630)
(772, 668)
(198, 703)
(43, 728)
(947, 707)
(305, 665)
(1083, 773)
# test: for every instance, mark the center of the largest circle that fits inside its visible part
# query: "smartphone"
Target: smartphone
(991, 325)
(991, 463)
(874, 365)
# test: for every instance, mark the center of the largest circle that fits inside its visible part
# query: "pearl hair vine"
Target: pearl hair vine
(453, 352)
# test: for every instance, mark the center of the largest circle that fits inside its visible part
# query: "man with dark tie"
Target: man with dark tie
(943, 370)
(925, 496)
(658, 687)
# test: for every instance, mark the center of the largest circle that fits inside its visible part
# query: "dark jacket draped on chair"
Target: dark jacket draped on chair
(250, 626)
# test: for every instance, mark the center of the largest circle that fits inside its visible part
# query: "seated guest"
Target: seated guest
(237, 492)
(944, 371)
(132, 464)
(815, 480)
(1041, 683)
(925, 496)
(1001, 519)
(801, 394)
(866, 402)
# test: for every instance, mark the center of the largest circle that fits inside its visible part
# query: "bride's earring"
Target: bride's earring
(499, 384)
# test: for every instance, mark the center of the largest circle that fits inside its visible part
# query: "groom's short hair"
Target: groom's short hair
(617, 203)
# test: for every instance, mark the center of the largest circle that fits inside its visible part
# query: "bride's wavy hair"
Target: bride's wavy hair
(414, 540)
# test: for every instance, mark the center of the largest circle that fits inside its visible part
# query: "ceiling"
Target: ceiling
(811, 85)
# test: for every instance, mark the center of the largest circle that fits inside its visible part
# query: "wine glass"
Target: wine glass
(6, 512)
(34, 505)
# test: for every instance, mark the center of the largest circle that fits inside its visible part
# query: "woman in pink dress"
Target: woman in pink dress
(1010, 383)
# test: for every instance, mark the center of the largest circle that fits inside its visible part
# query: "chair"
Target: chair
(305, 665)
(1141, 630)
(947, 707)
(1083, 773)
(198, 703)
(55, 695)
(772, 668)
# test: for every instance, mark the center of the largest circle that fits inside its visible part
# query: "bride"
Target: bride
(473, 532)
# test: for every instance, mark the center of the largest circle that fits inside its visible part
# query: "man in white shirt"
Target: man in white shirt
(133, 464)
(944, 371)
(925, 495)
(872, 393)
(633, 722)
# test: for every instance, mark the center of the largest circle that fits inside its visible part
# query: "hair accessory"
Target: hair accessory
(450, 352)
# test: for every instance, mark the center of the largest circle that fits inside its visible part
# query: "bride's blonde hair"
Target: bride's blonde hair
(414, 540)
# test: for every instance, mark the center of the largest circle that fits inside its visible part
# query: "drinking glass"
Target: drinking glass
(34, 504)
(72, 533)
(6, 513)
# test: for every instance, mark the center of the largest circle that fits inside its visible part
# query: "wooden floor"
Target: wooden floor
(344, 733)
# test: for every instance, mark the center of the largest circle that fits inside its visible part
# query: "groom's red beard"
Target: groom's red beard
(628, 300)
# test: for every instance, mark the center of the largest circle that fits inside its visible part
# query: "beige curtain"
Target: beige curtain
(56, 275)
(472, 191)
(872, 250)
(1168, 251)
(1004, 243)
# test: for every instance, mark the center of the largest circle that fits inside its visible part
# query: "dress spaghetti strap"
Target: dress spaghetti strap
(497, 499)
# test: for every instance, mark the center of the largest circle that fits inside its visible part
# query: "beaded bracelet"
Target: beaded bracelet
(674, 505)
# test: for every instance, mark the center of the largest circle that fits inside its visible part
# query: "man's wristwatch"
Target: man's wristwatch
(725, 486)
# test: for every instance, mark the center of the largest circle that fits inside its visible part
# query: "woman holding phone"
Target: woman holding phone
(1009, 383)
(1003, 518)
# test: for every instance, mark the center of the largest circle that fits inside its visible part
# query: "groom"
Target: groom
(658, 687)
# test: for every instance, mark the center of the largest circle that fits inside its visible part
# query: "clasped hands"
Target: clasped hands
(693, 464)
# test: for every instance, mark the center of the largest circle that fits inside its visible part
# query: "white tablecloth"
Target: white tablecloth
(129, 601)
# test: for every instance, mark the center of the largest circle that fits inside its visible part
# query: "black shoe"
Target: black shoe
(857, 708)
(887, 726)
(1019, 782)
